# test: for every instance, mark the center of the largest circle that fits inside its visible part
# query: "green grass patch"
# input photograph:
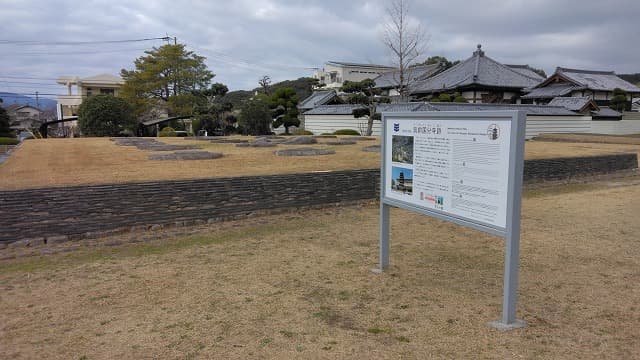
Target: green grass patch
(379, 330)
(8, 141)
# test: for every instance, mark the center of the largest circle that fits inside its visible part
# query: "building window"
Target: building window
(89, 92)
(107, 92)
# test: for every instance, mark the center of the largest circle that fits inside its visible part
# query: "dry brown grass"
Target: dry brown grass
(58, 162)
(300, 286)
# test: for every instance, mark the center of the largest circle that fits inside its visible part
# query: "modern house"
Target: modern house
(335, 73)
(104, 84)
(24, 117)
(389, 81)
(597, 85)
(479, 79)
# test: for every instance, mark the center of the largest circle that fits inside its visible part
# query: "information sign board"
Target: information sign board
(449, 165)
(463, 167)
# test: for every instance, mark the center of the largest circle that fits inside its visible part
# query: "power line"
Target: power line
(25, 77)
(47, 43)
(13, 94)
(28, 83)
(71, 52)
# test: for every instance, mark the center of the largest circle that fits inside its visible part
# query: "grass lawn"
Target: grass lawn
(299, 285)
(58, 162)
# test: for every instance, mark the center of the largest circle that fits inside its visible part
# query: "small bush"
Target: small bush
(167, 132)
(346, 132)
(302, 132)
(8, 141)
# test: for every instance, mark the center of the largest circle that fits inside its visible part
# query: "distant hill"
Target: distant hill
(11, 98)
(632, 78)
(302, 86)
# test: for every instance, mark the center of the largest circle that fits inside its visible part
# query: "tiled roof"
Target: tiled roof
(401, 107)
(478, 70)
(540, 110)
(526, 71)
(343, 109)
(317, 98)
(571, 103)
(597, 80)
(606, 112)
(392, 78)
(551, 91)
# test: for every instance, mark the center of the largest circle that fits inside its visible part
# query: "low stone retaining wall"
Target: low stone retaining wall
(37, 216)
(565, 168)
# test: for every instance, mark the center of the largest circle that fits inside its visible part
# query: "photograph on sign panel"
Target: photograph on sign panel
(402, 180)
(402, 149)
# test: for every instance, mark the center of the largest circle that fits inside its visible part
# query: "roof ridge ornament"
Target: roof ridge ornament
(479, 51)
(477, 54)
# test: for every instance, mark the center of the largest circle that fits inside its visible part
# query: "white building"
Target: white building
(104, 84)
(24, 117)
(335, 73)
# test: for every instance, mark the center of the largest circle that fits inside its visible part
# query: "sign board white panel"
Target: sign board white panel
(463, 167)
(457, 166)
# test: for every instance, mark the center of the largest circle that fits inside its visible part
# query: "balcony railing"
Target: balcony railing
(70, 100)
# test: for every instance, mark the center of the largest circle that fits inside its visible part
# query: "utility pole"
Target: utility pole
(175, 40)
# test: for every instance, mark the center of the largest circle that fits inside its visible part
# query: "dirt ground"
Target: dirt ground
(299, 285)
(58, 162)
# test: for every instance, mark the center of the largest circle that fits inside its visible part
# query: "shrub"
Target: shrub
(8, 141)
(167, 132)
(444, 98)
(302, 132)
(105, 115)
(346, 132)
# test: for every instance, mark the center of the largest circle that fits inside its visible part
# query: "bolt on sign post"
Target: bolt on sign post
(462, 167)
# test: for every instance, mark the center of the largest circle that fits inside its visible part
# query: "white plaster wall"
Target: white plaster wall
(537, 125)
(622, 127)
(320, 124)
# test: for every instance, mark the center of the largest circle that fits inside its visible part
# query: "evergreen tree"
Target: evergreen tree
(5, 126)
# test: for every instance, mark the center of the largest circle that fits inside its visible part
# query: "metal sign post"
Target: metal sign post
(461, 167)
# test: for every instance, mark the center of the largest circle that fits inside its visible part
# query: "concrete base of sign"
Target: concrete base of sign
(377, 271)
(500, 326)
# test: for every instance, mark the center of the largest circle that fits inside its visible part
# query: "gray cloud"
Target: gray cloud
(246, 39)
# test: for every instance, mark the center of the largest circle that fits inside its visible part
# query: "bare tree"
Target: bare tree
(265, 82)
(406, 41)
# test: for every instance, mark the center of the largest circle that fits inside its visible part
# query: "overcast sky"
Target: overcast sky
(246, 39)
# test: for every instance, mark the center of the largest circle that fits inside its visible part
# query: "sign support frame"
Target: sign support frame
(511, 233)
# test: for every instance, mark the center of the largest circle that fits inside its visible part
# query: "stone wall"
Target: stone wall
(564, 168)
(84, 211)
(58, 214)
